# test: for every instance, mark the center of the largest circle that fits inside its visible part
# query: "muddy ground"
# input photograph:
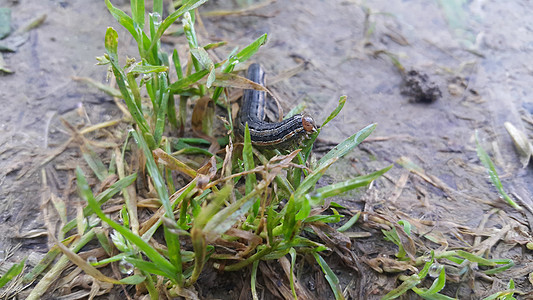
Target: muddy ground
(476, 53)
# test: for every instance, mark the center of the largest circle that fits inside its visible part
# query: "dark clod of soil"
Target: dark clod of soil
(419, 88)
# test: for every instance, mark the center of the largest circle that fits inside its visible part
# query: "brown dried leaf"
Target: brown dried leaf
(389, 265)
(173, 163)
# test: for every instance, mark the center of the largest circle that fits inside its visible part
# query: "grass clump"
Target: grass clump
(236, 209)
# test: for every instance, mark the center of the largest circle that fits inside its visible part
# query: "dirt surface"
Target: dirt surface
(477, 56)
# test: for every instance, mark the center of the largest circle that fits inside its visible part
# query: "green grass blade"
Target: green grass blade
(162, 112)
(158, 7)
(289, 220)
(330, 277)
(43, 263)
(177, 64)
(180, 85)
(491, 169)
(347, 145)
(410, 283)
(436, 296)
(147, 266)
(248, 160)
(111, 45)
(171, 238)
(226, 218)
(251, 49)
(151, 253)
(507, 264)
(350, 223)
(186, 6)
(122, 18)
(145, 69)
(475, 258)
(336, 111)
(437, 286)
(12, 272)
(95, 163)
(205, 63)
(103, 198)
(308, 144)
(137, 11)
(350, 184)
(292, 252)
(253, 280)
(310, 181)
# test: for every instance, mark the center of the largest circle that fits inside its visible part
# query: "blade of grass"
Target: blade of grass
(171, 238)
(411, 282)
(253, 280)
(248, 160)
(54, 273)
(111, 45)
(350, 223)
(92, 271)
(292, 252)
(336, 111)
(347, 145)
(437, 285)
(150, 252)
(103, 198)
(186, 6)
(94, 162)
(137, 11)
(491, 169)
(310, 181)
(162, 112)
(332, 279)
(12, 272)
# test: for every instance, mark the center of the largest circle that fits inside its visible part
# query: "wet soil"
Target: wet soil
(477, 56)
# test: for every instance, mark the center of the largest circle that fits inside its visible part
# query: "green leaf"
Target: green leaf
(410, 283)
(248, 160)
(251, 49)
(111, 43)
(137, 11)
(253, 280)
(151, 253)
(95, 163)
(12, 272)
(406, 226)
(304, 210)
(186, 6)
(146, 266)
(347, 145)
(330, 277)
(491, 169)
(437, 286)
(226, 218)
(185, 82)
(311, 180)
(162, 111)
(350, 223)
(145, 69)
(122, 18)
(134, 279)
(103, 197)
(475, 258)
(158, 7)
(291, 274)
(336, 111)
(342, 187)
(177, 64)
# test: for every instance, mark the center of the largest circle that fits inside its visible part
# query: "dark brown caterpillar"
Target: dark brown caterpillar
(265, 133)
